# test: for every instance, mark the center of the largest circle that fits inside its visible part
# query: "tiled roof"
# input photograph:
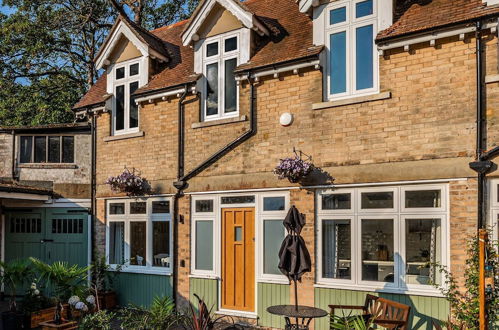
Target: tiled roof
(15, 188)
(290, 39)
(45, 127)
(414, 16)
(95, 96)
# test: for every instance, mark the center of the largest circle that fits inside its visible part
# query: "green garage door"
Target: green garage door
(49, 234)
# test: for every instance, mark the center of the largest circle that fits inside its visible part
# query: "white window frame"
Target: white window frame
(149, 218)
(220, 58)
(350, 27)
(126, 81)
(494, 207)
(205, 216)
(398, 214)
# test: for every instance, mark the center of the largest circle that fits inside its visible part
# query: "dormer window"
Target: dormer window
(220, 59)
(125, 110)
(351, 26)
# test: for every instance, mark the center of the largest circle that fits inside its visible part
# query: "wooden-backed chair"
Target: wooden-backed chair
(383, 312)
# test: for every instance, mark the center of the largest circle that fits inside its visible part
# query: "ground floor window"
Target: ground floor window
(139, 234)
(385, 237)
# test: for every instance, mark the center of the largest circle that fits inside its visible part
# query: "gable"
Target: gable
(124, 51)
(219, 21)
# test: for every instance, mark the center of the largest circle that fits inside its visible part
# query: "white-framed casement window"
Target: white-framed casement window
(125, 110)
(352, 60)
(383, 238)
(139, 235)
(204, 210)
(221, 56)
(52, 149)
(494, 207)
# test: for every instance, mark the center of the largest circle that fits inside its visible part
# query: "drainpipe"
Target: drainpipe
(93, 183)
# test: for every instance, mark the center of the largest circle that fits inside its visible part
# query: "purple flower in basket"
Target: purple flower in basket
(294, 169)
(130, 183)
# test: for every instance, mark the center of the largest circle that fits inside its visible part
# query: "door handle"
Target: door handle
(43, 240)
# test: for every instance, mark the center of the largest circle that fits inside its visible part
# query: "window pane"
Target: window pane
(238, 234)
(338, 63)
(134, 69)
(338, 15)
(423, 247)
(116, 242)
(212, 49)
(161, 244)
(377, 200)
(364, 8)
(273, 235)
(273, 203)
(422, 198)
(230, 95)
(120, 73)
(377, 250)
(138, 243)
(161, 207)
(26, 149)
(138, 208)
(336, 249)
(134, 108)
(212, 89)
(238, 199)
(336, 202)
(120, 107)
(204, 245)
(364, 57)
(68, 151)
(40, 149)
(117, 208)
(204, 205)
(54, 149)
(230, 44)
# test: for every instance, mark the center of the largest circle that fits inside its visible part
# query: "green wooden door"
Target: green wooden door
(49, 234)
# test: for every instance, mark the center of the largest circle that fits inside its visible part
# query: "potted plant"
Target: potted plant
(64, 280)
(14, 275)
(130, 183)
(294, 169)
(103, 277)
(33, 303)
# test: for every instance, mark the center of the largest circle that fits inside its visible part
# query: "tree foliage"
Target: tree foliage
(47, 48)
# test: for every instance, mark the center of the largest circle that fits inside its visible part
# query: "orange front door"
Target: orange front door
(238, 259)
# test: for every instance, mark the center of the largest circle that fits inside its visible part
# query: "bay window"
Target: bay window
(351, 27)
(125, 110)
(139, 235)
(220, 59)
(387, 238)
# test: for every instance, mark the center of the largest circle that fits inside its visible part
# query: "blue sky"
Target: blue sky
(5, 9)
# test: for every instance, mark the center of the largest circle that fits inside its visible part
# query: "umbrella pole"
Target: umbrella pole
(296, 295)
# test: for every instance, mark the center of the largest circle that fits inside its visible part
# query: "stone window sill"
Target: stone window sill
(352, 100)
(123, 136)
(48, 166)
(220, 122)
(493, 78)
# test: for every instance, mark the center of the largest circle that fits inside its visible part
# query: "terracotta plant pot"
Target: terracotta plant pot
(108, 300)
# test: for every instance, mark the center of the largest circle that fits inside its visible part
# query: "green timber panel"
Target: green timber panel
(140, 289)
(271, 294)
(206, 289)
(423, 309)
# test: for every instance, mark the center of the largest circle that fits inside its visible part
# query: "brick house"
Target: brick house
(45, 192)
(382, 95)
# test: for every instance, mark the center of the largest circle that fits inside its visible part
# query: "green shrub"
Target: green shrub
(100, 320)
(161, 315)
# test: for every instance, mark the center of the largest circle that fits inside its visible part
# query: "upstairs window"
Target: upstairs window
(46, 149)
(125, 110)
(351, 27)
(220, 59)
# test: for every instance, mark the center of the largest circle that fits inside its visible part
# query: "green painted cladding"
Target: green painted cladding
(206, 289)
(423, 309)
(271, 294)
(140, 289)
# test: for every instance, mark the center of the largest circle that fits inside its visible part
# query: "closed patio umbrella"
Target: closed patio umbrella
(294, 258)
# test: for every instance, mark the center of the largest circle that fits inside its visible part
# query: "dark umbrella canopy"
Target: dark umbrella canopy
(294, 258)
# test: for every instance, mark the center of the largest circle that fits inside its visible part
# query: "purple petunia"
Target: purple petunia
(130, 183)
(293, 169)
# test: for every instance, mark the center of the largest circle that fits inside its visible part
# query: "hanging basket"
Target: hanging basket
(130, 183)
(294, 169)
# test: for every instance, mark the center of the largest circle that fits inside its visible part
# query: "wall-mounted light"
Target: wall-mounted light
(286, 119)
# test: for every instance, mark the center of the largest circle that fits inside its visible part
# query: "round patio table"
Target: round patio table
(302, 315)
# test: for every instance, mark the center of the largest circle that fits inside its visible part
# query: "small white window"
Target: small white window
(220, 59)
(204, 233)
(125, 110)
(351, 27)
(139, 235)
